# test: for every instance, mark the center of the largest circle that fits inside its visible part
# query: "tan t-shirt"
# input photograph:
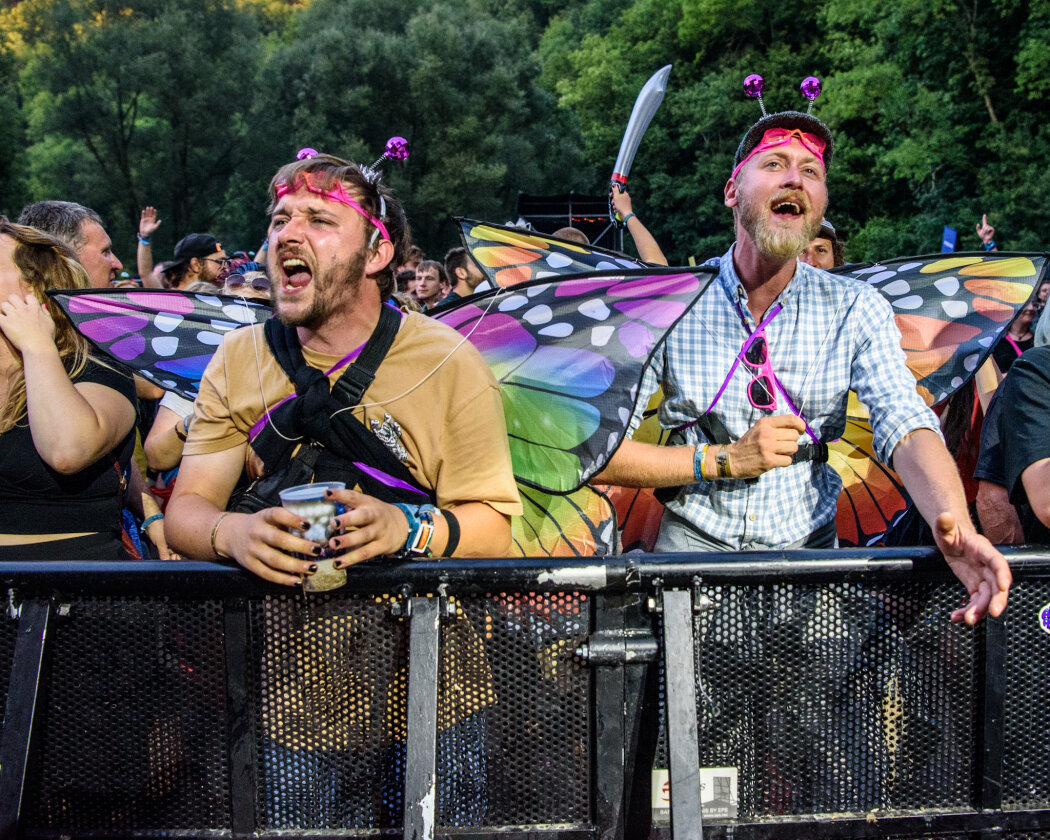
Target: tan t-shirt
(448, 410)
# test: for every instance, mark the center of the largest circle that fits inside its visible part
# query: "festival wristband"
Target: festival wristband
(628, 216)
(989, 246)
(420, 530)
(699, 456)
(149, 520)
(725, 469)
(143, 240)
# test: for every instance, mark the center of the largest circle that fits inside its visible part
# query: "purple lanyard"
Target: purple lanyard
(776, 381)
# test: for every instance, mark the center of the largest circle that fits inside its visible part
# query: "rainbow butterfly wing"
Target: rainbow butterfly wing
(510, 256)
(166, 336)
(872, 499)
(951, 310)
(577, 524)
(638, 511)
(569, 357)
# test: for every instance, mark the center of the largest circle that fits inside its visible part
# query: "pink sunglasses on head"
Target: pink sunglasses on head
(339, 194)
(781, 137)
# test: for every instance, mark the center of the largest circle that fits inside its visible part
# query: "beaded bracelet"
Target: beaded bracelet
(149, 520)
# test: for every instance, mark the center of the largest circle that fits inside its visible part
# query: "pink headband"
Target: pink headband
(339, 194)
(781, 137)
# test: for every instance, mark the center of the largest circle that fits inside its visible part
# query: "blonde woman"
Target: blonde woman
(66, 419)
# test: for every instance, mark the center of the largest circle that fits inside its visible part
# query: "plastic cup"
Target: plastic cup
(308, 502)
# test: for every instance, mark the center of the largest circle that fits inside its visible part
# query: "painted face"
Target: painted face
(316, 257)
(781, 196)
(96, 255)
(819, 253)
(428, 286)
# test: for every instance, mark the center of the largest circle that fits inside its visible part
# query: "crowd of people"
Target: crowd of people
(754, 379)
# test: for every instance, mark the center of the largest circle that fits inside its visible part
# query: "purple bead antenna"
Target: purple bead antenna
(810, 87)
(305, 153)
(396, 148)
(753, 85)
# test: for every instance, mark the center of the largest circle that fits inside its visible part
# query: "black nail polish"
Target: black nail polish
(304, 525)
(336, 564)
(316, 550)
(313, 568)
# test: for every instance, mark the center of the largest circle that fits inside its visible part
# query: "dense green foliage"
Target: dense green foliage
(939, 107)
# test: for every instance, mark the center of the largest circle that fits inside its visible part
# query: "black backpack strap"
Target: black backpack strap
(355, 380)
(284, 344)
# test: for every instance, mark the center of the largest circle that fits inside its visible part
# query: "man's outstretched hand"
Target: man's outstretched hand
(978, 565)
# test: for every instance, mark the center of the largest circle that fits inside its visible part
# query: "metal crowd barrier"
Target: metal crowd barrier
(765, 695)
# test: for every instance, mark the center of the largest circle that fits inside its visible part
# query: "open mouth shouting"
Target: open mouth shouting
(296, 273)
(790, 207)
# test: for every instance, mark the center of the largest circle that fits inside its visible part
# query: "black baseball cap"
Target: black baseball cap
(195, 245)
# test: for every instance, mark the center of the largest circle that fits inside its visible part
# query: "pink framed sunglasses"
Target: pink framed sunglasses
(781, 137)
(338, 194)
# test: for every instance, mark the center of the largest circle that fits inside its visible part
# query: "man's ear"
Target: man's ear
(730, 193)
(461, 274)
(379, 257)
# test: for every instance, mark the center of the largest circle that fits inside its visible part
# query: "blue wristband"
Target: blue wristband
(420, 530)
(628, 216)
(699, 454)
(143, 240)
(149, 520)
(989, 246)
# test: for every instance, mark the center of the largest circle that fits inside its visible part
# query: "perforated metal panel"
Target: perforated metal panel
(1026, 718)
(8, 632)
(840, 698)
(131, 719)
(513, 712)
(331, 677)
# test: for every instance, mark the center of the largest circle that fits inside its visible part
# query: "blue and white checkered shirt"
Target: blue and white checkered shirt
(833, 334)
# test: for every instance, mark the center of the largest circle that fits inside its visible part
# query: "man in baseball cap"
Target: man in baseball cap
(199, 256)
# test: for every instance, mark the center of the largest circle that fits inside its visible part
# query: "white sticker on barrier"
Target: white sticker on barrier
(719, 794)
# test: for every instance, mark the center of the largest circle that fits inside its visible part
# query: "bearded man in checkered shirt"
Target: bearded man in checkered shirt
(758, 374)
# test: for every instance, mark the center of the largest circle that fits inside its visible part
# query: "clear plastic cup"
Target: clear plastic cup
(308, 502)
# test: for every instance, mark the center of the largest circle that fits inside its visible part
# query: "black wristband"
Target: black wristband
(453, 532)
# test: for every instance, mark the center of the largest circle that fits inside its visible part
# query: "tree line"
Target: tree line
(939, 108)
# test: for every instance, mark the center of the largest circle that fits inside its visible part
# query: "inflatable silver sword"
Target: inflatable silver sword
(649, 99)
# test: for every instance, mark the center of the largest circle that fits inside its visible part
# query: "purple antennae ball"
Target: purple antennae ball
(303, 154)
(753, 85)
(396, 148)
(810, 87)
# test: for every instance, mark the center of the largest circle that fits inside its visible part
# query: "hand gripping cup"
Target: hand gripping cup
(307, 501)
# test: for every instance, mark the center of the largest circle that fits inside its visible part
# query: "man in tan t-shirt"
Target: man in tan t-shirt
(335, 234)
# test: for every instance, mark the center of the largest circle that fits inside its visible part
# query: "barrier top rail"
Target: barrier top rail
(633, 572)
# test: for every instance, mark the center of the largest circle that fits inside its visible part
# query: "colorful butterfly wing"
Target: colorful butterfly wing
(166, 336)
(872, 498)
(578, 524)
(638, 511)
(951, 310)
(510, 256)
(569, 357)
